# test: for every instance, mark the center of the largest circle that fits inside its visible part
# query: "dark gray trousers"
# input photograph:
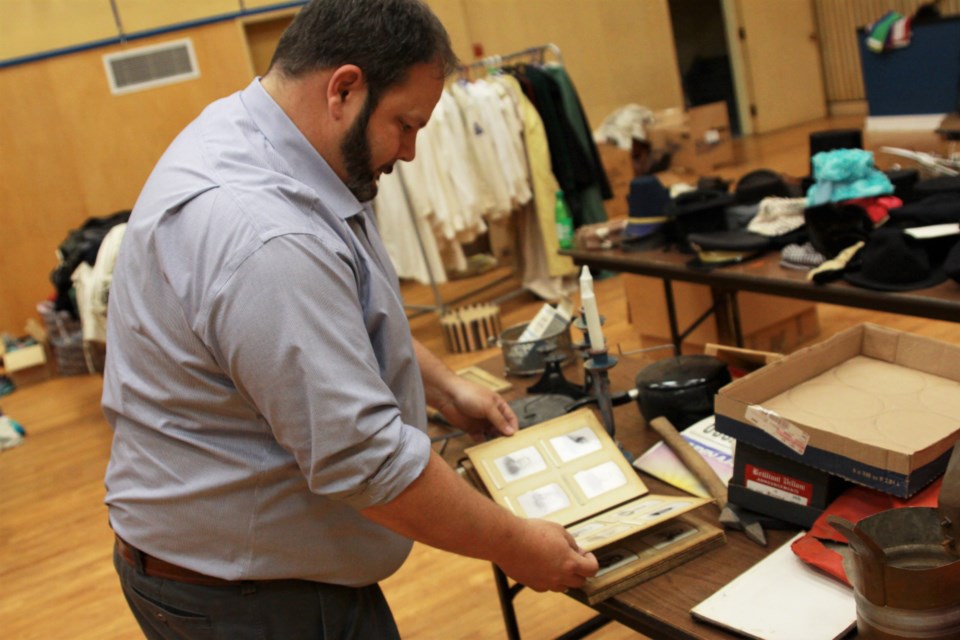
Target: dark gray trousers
(255, 610)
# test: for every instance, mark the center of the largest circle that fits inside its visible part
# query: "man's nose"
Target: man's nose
(408, 148)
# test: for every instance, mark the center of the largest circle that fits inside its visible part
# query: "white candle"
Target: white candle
(589, 303)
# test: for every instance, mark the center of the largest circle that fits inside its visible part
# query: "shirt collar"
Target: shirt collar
(298, 157)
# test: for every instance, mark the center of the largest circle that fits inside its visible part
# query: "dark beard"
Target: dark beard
(357, 157)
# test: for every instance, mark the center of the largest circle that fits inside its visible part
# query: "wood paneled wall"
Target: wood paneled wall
(71, 150)
(838, 21)
(617, 51)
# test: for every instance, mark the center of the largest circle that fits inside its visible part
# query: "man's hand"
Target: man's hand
(465, 404)
(546, 558)
(478, 410)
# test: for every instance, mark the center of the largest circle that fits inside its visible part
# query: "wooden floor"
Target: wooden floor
(56, 578)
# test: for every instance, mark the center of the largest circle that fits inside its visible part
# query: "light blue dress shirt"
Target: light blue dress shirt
(261, 378)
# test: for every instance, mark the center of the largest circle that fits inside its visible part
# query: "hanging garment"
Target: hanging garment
(592, 196)
(92, 285)
(571, 162)
(545, 186)
(452, 138)
(504, 135)
(407, 235)
(479, 133)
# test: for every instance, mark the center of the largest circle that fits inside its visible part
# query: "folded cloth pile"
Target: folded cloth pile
(846, 174)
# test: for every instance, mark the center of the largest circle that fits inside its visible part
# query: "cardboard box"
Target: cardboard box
(760, 503)
(782, 488)
(26, 365)
(769, 323)
(699, 140)
(872, 405)
(741, 361)
(618, 164)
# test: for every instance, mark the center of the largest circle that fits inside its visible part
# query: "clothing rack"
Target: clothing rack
(535, 55)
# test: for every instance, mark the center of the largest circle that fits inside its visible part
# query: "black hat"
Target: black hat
(936, 209)
(762, 183)
(698, 211)
(894, 261)
(942, 184)
(951, 265)
(833, 226)
(903, 181)
(713, 183)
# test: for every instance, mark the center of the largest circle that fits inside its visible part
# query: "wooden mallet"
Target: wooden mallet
(692, 460)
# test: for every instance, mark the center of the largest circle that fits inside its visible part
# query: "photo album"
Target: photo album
(570, 471)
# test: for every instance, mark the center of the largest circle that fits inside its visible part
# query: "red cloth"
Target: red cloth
(854, 504)
(878, 206)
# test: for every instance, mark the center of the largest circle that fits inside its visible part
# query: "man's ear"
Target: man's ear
(345, 90)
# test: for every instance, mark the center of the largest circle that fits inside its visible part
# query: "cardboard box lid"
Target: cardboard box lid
(875, 395)
(746, 360)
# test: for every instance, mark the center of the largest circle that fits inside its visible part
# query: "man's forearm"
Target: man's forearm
(436, 375)
(440, 509)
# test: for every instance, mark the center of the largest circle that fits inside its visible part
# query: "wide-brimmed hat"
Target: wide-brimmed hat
(891, 260)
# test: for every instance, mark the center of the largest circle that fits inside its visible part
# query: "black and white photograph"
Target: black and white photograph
(543, 501)
(575, 444)
(520, 464)
(600, 479)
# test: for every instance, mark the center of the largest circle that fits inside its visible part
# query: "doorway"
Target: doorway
(262, 33)
(703, 55)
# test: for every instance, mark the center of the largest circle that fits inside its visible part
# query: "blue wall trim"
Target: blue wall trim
(139, 35)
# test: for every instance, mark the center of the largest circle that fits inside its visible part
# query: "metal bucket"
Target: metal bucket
(526, 357)
(905, 568)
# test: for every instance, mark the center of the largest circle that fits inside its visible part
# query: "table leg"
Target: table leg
(506, 593)
(672, 316)
(727, 311)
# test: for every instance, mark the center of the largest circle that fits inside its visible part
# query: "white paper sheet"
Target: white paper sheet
(781, 598)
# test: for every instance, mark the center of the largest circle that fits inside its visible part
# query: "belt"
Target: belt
(158, 568)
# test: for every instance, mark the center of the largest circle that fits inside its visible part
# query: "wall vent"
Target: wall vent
(151, 66)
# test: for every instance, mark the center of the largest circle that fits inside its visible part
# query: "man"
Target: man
(270, 463)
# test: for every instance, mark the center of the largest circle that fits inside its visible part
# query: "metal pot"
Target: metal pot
(906, 567)
(680, 388)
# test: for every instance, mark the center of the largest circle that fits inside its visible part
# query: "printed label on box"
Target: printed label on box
(779, 427)
(777, 485)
